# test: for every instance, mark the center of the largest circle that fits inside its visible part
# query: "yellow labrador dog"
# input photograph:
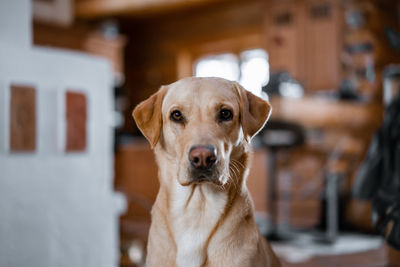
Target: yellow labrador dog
(200, 130)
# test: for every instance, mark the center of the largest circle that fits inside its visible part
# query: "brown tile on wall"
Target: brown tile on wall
(76, 117)
(22, 119)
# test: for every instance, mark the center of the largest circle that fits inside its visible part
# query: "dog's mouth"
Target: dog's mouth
(192, 176)
(201, 180)
(205, 176)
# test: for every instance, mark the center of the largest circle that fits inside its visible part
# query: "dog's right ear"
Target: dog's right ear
(148, 116)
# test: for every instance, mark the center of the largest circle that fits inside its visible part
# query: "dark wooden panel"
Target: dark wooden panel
(323, 24)
(285, 33)
(76, 116)
(22, 119)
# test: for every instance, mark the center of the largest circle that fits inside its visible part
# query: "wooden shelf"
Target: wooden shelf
(318, 112)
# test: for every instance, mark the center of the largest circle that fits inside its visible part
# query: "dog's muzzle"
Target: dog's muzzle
(202, 160)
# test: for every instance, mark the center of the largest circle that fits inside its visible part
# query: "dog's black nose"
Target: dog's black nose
(202, 157)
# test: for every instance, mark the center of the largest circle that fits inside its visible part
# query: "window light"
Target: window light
(251, 69)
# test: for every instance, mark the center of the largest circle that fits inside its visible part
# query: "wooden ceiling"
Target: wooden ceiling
(96, 9)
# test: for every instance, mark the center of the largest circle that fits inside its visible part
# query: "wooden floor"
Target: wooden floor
(371, 258)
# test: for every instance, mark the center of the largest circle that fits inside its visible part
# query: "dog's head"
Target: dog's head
(199, 124)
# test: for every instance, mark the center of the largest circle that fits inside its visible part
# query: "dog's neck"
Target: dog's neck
(194, 212)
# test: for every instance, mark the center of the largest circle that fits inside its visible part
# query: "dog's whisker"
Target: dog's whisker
(239, 172)
(235, 178)
(235, 166)
(238, 163)
(221, 186)
(238, 176)
(231, 168)
(235, 171)
(231, 173)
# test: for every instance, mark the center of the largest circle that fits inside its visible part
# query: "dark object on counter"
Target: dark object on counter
(347, 90)
(272, 87)
(391, 83)
(393, 37)
(282, 84)
(378, 178)
(359, 48)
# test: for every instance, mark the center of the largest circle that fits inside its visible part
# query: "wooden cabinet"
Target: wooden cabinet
(303, 37)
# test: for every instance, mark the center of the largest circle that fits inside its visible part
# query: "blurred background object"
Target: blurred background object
(378, 178)
(58, 206)
(280, 83)
(391, 83)
(328, 67)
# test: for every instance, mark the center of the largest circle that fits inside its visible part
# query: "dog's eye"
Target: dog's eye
(225, 115)
(176, 116)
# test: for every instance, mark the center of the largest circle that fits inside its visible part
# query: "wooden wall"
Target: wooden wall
(163, 49)
(304, 37)
(157, 44)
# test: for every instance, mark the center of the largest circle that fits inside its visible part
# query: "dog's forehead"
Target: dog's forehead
(195, 90)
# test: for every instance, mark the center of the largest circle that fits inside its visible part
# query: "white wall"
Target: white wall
(56, 209)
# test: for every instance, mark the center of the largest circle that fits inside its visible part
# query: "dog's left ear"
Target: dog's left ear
(148, 116)
(254, 112)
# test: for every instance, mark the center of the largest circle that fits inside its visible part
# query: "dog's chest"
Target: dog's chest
(195, 214)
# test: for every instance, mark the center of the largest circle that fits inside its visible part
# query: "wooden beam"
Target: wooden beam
(91, 9)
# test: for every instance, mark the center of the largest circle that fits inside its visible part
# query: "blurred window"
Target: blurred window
(250, 68)
(223, 65)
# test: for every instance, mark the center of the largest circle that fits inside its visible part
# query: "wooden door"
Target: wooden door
(322, 44)
(285, 37)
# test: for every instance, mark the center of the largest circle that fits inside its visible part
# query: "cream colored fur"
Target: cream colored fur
(207, 223)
